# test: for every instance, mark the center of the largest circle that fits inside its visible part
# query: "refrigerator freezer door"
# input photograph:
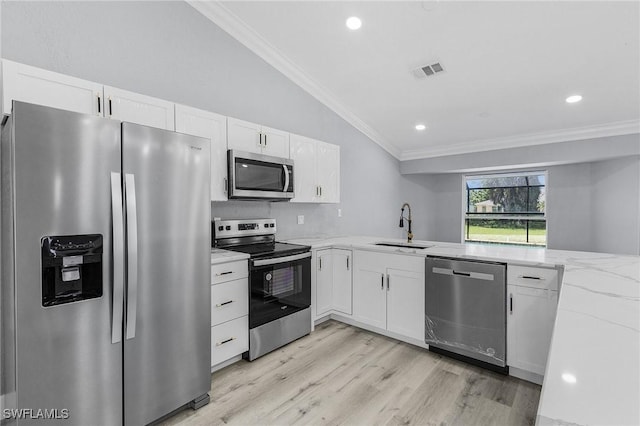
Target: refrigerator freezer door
(167, 362)
(65, 356)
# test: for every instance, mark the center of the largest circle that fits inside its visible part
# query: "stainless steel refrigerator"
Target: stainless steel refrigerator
(105, 268)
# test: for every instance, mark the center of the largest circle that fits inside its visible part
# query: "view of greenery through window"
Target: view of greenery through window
(507, 208)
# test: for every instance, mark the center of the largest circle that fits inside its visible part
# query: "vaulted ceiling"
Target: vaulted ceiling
(508, 67)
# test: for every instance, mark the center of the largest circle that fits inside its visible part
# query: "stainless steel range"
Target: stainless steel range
(279, 282)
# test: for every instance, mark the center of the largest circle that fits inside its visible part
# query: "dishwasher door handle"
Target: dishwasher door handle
(474, 275)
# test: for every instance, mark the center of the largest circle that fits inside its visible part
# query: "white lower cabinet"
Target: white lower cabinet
(342, 281)
(229, 339)
(388, 292)
(532, 299)
(229, 310)
(333, 281)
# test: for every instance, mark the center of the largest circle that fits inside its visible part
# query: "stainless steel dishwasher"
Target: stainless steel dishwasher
(465, 311)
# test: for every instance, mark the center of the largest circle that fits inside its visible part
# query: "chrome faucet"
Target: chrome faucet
(409, 219)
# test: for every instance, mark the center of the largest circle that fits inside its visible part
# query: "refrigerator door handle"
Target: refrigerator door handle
(118, 258)
(132, 256)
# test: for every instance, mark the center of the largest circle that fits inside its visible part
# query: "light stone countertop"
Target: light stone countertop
(593, 370)
(224, 256)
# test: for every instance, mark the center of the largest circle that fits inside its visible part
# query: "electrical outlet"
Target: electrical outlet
(339, 212)
(301, 219)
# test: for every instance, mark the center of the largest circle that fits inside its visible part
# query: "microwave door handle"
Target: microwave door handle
(286, 178)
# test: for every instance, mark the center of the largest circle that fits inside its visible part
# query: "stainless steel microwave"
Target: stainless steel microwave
(256, 176)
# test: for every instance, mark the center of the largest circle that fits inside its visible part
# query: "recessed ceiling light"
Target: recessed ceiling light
(573, 99)
(420, 127)
(569, 378)
(354, 23)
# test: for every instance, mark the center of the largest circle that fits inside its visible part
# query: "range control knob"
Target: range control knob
(228, 228)
(220, 228)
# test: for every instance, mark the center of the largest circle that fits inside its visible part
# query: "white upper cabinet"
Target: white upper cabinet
(275, 142)
(316, 170)
(244, 135)
(37, 86)
(140, 109)
(303, 152)
(251, 137)
(212, 126)
(328, 172)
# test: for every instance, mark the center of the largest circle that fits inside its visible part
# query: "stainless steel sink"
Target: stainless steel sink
(404, 245)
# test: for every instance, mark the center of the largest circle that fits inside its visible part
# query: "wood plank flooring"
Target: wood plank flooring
(343, 375)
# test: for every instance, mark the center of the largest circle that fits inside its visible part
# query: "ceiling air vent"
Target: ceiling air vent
(428, 70)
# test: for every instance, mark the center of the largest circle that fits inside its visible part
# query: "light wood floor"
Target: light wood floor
(342, 375)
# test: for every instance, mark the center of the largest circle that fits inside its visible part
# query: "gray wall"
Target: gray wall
(590, 206)
(168, 50)
(616, 206)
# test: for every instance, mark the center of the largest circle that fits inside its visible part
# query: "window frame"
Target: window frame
(516, 215)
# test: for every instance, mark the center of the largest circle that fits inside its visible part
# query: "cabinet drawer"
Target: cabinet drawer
(526, 276)
(229, 300)
(224, 272)
(229, 339)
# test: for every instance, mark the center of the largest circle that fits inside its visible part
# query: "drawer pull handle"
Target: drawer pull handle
(530, 277)
(464, 274)
(225, 341)
(224, 273)
(225, 303)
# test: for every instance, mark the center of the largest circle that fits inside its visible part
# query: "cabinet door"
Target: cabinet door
(140, 109)
(243, 136)
(369, 293)
(328, 172)
(405, 303)
(37, 86)
(530, 319)
(275, 142)
(342, 281)
(324, 282)
(213, 127)
(303, 152)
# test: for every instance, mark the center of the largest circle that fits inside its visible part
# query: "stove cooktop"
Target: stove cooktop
(269, 250)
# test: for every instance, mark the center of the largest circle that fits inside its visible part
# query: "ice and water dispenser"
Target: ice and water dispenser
(71, 268)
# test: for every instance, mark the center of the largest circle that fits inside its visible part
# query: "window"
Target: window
(506, 208)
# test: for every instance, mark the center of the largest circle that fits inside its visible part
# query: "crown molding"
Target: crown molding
(564, 135)
(234, 26)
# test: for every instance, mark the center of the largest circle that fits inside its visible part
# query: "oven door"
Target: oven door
(279, 287)
(257, 176)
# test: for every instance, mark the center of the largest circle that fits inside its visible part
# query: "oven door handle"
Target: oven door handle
(285, 259)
